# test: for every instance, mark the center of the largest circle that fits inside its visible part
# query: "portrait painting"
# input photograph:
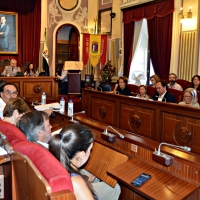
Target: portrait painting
(8, 32)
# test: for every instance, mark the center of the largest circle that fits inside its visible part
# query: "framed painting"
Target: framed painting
(105, 21)
(8, 32)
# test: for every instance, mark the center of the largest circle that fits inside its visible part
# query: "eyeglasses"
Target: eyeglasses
(187, 96)
(9, 92)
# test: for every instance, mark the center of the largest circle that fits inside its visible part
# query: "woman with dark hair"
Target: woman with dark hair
(196, 82)
(143, 92)
(72, 148)
(121, 86)
(31, 71)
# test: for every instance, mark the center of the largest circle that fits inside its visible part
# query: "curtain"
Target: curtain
(29, 29)
(153, 13)
(160, 37)
(128, 44)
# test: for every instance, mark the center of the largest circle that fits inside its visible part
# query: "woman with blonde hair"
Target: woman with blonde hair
(190, 98)
(154, 79)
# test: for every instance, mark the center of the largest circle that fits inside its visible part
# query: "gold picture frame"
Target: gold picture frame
(8, 32)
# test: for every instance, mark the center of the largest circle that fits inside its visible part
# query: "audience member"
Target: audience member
(162, 94)
(64, 79)
(143, 92)
(72, 148)
(190, 98)
(2, 83)
(36, 127)
(196, 82)
(154, 79)
(121, 86)
(8, 91)
(30, 71)
(14, 110)
(12, 69)
(172, 82)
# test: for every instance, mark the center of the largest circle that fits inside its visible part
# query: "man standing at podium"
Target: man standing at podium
(64, 79)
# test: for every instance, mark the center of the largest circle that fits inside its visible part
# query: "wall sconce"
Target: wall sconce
(189, 13)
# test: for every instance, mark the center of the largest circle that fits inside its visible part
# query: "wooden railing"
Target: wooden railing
(160, 121)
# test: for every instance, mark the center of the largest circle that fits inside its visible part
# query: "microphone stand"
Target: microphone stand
(72, 119)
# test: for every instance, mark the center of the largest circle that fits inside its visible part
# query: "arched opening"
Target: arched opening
(67, 45)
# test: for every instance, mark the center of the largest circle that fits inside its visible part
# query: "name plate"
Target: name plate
(73, 65)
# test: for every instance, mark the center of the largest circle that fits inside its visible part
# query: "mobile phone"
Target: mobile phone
(141, 179)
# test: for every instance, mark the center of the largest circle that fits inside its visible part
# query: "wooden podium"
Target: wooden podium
(74, 79)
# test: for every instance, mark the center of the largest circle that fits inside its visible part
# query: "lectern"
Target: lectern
(74, 79)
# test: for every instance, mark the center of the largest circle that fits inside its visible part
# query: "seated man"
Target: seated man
(172, 82)
(36, 127)
(8, 91)
(12, 69)
(162, 94)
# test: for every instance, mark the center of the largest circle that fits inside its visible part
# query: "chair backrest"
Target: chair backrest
(12, 133)
(184, 83)
(134, 89)
(151, 90)
(177, 94)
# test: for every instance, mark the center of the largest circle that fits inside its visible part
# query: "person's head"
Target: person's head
(73, 143)
(190, 96)
(9, 91)
(31, 67)
(142, 89)
(15, 108)
(13, 63)
(161, 87)
(172, 78)
(195, 80)
(35, 125)
(2, 83)
(122, 81)
(154, 79)
(3, 19)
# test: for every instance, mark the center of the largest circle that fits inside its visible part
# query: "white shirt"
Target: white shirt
(2, 106)
(160, 97)
(44, 144)
(176, 86)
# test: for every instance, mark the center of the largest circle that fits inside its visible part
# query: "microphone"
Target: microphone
(100, 88)
(165, 159)
(185, 148)
(109, 136)
(72, 119)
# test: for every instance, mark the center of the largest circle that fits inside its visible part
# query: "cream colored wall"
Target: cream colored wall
(43, 19)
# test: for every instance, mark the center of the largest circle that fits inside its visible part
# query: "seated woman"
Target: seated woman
(31, 71)
(72, 148)
(14, 110)
(190, 98)
(143, 92)
(121, 86)
(196, 82)
(154, 80)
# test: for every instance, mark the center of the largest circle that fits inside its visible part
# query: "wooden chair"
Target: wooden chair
(103, 159)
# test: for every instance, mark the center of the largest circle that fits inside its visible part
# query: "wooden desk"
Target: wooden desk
(161, 185)
(160, 121)
(32, 87)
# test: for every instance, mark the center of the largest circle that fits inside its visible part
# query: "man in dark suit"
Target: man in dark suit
(4, 30)
(162, 94)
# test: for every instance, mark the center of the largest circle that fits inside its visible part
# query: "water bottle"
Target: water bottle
(43, 98)
(70, 108)
(62, 104)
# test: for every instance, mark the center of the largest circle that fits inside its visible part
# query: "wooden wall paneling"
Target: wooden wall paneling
(32, 87)
(104, 110)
